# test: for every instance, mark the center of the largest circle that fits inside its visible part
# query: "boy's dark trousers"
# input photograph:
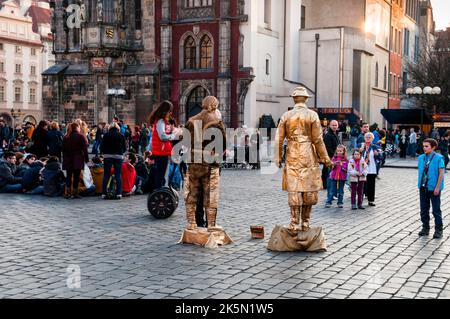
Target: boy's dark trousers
(426, 197)
(357, 189)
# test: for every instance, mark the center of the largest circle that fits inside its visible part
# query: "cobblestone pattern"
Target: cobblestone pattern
(123, 252)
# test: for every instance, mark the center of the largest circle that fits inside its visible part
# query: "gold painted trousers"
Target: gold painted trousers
(205, 179)
(301, 206)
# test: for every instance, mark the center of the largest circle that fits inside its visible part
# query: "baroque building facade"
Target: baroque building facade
(105, 63)
(22, 59)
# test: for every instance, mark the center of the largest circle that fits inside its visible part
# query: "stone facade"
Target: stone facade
(112, 48)
(199, 43)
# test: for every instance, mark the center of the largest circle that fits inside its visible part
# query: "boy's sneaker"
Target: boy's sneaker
(354, 207)
(118, 196)
(327, 205)
(104, 197)
(361, 207)
(341, 205)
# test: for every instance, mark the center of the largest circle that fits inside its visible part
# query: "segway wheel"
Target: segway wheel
(162, 203)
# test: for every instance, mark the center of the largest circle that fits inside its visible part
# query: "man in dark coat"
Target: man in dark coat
(53, 177)
(9, 183)
(55, 138)
(331, 140)
(40, 140)
(113, 146)
(31, 180)
(4, 133)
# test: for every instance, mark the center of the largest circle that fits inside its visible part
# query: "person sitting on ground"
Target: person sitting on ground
(142, 173)
(9, 183)
(32, 180)
(149, 183)
(26, 164)
(128, 174)
(97, 172)
(53, 177)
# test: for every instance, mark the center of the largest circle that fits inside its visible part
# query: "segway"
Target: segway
(163, 202)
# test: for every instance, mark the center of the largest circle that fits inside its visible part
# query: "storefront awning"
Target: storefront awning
(55, 69)
(148, 69)
(77, 69)
(131, 69)
(406, 116)
(141, 69)
(342, 114)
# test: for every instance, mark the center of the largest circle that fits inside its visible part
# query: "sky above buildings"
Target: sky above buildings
(441, 13)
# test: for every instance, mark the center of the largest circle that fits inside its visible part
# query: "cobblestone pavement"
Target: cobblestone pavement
(123, 252)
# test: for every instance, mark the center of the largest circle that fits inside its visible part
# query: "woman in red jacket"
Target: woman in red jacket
(161, 140)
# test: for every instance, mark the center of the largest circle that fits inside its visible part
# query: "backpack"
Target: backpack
(111, 188)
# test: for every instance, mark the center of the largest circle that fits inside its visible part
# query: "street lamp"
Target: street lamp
(116, 92)
(15, 115)
(420, 93)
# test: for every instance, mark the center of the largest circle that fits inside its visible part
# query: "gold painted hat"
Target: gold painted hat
(300, 91)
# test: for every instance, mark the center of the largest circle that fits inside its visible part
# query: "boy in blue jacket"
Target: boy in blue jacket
(431, 184)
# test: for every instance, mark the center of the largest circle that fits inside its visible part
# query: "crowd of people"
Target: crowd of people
(368, 147)
(54, 160)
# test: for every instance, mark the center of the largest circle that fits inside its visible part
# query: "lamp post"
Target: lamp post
(420, 93)
(15, 115)
(115, 92)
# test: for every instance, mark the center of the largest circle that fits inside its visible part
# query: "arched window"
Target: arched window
(194, 102)
(206, 53)
(376, 74)
(385, 78)
(190, 55)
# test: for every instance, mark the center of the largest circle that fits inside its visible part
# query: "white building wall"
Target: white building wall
(269, 93)
(379, 95)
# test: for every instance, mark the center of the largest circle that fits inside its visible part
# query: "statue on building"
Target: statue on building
(99, 11)
(82, 14)
(301, 175)
(119, 8)
(203, 179)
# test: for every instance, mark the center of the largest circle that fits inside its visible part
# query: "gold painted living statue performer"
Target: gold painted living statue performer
(301, 175)
(205, 128)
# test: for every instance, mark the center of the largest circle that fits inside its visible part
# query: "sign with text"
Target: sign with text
(98, 63)
(335, 110)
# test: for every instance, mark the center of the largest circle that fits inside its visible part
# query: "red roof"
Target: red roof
(39, 16)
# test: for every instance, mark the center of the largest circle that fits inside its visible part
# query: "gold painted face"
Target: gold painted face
(300, 99)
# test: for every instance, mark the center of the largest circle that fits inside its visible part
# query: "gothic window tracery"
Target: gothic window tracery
(206, 53)
(190, 55)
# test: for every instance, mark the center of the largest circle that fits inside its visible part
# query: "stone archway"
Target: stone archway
(194, 101)
(194, 88)
(7, 118)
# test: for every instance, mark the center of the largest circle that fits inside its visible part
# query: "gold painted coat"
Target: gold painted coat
(305, 148)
